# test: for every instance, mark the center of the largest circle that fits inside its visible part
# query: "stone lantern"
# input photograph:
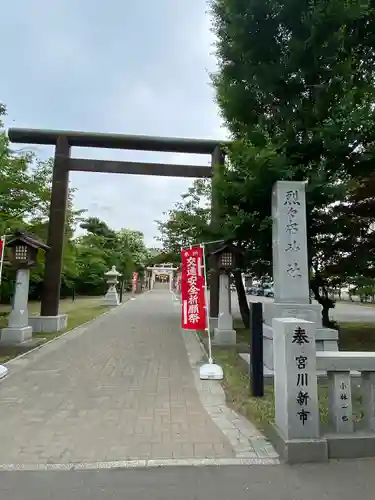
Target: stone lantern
(225, 259)
(111, 297)
(24, 249)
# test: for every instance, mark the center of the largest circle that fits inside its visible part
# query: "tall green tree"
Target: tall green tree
(295, 87)
(134, 241)
(24, 185)
(101, 248)
(187, 223)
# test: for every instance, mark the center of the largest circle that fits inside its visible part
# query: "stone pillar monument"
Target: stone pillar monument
(111, 297)
(296, 392)
(224, 334)
(18, 329)
(291, 269)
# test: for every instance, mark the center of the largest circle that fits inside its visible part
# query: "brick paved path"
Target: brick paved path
(120, 389)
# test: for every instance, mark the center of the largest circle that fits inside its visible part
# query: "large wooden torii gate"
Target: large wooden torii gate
(63, 163)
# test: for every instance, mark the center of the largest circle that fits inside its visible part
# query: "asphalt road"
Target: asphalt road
(343, 312)
(334, 481)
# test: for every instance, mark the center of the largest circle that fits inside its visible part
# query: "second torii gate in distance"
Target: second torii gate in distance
(63, 140)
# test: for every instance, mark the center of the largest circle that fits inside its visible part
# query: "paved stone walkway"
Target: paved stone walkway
(119, 389)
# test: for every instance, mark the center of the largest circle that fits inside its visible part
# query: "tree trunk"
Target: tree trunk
(242, 299)
(321, 295)
(325, 315)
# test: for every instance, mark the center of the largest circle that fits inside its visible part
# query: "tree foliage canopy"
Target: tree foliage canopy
(188, 222)
(295, 88)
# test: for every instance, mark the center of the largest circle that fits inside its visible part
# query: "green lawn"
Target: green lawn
(80, 311)
(357, 337)
(261, 411)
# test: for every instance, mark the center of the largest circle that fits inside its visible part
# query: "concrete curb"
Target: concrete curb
(203, 347)
(245, 439)
(82, 327)
(139, 464)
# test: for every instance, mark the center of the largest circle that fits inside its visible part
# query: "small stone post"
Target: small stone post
(111, 297)
(297, 433)
(18, 329)
(340, 402)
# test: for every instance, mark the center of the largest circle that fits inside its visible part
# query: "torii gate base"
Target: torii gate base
(50, 320)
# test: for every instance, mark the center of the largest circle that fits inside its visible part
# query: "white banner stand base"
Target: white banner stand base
(211, 371)
(3, 371)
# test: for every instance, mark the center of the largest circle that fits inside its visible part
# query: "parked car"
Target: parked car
(260, 290)
(268, 290)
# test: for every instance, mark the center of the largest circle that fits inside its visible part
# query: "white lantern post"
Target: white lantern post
(111, 297)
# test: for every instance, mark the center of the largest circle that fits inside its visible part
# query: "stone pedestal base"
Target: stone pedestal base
(308, 312)
(213, 323)
(355, 445)
(48, 324)
(269, 374)
(326, 339)
(268, 347)
(111, 299)
(224, 337)
(16, 335)
(297, 451)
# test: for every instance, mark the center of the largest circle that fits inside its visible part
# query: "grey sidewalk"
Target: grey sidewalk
(120, 389)
(347, 480)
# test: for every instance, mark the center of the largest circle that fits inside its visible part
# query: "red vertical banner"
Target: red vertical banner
(193, 299)
(134, 282)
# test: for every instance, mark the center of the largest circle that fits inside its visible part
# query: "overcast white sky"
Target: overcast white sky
(132, 67)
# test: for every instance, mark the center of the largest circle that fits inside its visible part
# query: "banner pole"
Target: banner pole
(2, 256)
(3, 369)
(206, 305)
(209, 371)
(206, 243)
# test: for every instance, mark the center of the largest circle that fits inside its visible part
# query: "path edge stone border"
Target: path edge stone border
(246, 440)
